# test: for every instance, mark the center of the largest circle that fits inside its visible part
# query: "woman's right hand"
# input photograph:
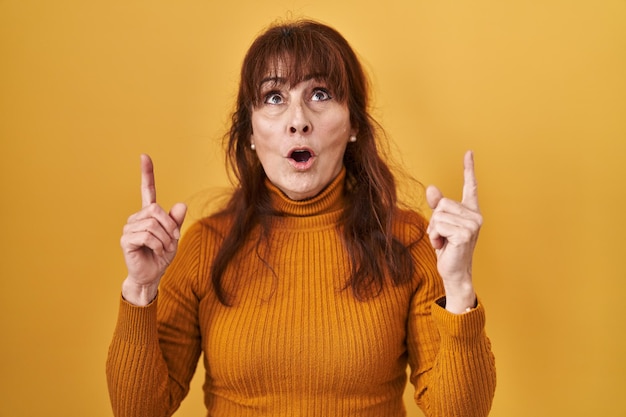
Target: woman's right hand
(149, 241)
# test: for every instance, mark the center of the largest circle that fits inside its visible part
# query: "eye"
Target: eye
(273, 98)
(320, 94)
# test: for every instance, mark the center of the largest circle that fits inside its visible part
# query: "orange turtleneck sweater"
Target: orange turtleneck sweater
(294, 342)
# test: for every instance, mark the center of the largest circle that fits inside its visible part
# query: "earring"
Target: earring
(252, 146)
(353, 138)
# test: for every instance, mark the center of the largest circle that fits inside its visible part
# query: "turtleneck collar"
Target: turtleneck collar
(329, 202)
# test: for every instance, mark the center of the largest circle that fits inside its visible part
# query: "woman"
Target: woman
(311, 291)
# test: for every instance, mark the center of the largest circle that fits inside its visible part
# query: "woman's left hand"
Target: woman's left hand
(453, 232)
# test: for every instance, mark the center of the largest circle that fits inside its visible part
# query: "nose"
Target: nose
(299, 121)
(294, 129)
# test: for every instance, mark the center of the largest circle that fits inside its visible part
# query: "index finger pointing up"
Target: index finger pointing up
(148, 190)
(470, 186)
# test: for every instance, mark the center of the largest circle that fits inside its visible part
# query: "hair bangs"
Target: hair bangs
(292, 54)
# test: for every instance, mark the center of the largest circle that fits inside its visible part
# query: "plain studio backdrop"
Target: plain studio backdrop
(536, 88)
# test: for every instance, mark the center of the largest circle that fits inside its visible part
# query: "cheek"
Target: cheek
(262, 134)
(339, 129)
(263, 129)
(341, 121)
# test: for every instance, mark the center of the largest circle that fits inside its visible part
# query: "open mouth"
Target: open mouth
(301, 155)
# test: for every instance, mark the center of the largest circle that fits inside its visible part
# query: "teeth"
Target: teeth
(300, 156)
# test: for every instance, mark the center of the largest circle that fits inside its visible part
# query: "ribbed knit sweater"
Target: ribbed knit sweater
(295, 342)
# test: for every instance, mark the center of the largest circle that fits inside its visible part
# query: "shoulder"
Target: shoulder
(206, 232)
(197, 249)
(410, 228)
(409, 216)
(409, 225)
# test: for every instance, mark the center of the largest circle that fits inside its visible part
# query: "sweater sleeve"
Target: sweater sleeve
(155, 349)
(452, 365)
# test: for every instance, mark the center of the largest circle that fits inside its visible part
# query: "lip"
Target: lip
(301, 165)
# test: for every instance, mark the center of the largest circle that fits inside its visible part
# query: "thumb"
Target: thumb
(433, 196)
(178, 212)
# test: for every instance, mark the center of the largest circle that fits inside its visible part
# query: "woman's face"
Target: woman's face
(300, 134)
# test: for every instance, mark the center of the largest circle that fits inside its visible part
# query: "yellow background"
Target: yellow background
(536, 88)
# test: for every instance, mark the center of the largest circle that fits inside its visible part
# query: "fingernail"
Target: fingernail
(176, 234)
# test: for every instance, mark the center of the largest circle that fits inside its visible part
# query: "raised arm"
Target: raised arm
(148, 373)
(453, 367)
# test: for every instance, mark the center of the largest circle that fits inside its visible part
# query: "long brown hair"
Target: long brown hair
(309, 47)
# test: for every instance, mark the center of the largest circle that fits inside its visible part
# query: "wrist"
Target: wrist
(460, 298)
(137, 294)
